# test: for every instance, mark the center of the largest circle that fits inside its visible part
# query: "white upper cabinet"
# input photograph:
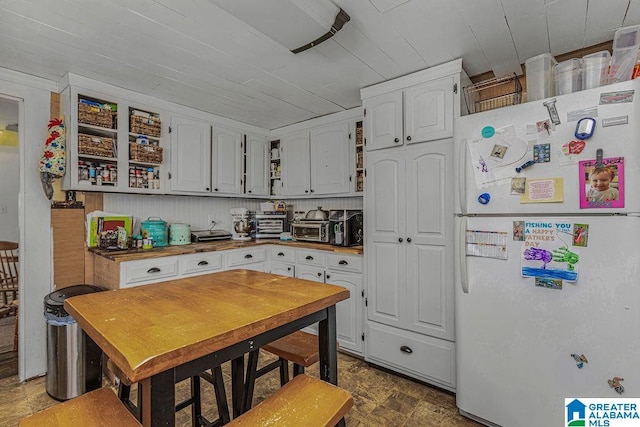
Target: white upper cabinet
(419, 113)
(330, 162)
(296, 166)
(256, 165)
(190, 155)
(226, 161)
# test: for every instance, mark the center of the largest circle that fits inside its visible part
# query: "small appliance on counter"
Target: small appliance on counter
(179, 234)
(270, 224)
(156, 229)
(209, 235)
(314, 227)
(241, 224)
(346, 227)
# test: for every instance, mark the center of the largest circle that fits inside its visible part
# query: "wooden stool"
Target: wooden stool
(303, 401)
(195, 401)
(100, 407)
(300, 347)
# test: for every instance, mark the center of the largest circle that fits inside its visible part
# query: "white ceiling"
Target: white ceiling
(193, 53)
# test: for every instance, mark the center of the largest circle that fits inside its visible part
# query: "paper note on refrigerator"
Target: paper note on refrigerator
(543, 190)
(548, 252)
(488, 244)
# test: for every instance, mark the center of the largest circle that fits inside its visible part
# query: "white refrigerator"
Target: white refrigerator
(548, 281)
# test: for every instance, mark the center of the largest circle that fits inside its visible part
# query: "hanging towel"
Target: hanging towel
(52, 162)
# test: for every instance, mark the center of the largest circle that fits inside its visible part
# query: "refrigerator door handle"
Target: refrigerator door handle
(462, 255)
(462, 177)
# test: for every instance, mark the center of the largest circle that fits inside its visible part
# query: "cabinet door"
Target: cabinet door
(428, 111)
(282, 269)
(429, 219)
(349, 311)
(256, 165)
(308, 272)
(330, 166)
(190, 154)
(385, 242)
(295, 164)
(227, 160)
(383, 121)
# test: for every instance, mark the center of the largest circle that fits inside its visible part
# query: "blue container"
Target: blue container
(156, 228)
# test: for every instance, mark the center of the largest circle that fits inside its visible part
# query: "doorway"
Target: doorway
(9, 226)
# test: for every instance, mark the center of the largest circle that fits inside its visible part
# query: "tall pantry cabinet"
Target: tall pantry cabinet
(408, 201)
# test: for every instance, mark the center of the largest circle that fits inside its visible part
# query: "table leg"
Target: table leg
(327, 347)
(237, 385)
(158, 400)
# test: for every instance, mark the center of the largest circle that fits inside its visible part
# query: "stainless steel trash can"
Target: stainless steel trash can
(69, 351)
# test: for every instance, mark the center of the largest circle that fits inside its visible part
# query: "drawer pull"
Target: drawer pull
(280, 253)
(309, 258)
(154, 270)
(406, 349)
(248, 256)
(343, 262)
(203, 263)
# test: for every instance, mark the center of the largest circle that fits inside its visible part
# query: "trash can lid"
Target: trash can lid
(54, 302)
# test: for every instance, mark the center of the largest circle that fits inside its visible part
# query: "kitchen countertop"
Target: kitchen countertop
(220, 245)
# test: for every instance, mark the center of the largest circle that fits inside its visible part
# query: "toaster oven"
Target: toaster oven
(311, 231)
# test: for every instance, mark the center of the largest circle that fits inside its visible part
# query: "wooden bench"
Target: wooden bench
(100, 407)
(303, 401)
(300, 347)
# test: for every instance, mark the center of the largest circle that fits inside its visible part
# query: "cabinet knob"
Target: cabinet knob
(280, 253)
(154, 270)
(408, 137)
(396, 140)
(288, 268)
(309, 258)
(312, 191)
(406, 349)
(249, 191)
(408, 239)
(319, 274)
(248, 256)
(203, 263)
(328, 276)
(215, 189)
(208, 189)
(400, 239)
(306, 191)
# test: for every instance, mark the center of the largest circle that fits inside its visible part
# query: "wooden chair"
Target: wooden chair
(100, 407)
(300, 347)
(9, 284)
(303, 401)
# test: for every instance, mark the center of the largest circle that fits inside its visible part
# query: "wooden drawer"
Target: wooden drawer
(282, 254)
(200, 263)
(308, 257)
(419, 356)
(245, 256)
(149, 270)
(339, 262)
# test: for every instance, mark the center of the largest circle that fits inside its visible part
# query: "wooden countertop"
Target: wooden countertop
(220, 245)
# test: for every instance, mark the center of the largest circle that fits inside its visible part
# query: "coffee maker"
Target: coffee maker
(241, 224)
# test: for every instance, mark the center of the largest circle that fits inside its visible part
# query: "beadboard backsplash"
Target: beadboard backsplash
(195, 211)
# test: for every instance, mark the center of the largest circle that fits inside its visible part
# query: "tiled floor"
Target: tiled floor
(381, 398)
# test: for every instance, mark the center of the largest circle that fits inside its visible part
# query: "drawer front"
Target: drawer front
(339, 262)
(418, 355)
(279, 253)
(151, 270)
(308, 257)
(201, 263)
(247, 256)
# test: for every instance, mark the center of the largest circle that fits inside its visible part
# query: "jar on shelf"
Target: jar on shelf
(92, 173)
(139, 178)
(106, 174)
(98, 175)
(132, 177)
(114, 174)
(83, 172)
(150, 178)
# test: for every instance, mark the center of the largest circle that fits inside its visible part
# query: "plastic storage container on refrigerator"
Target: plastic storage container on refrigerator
(626, 42)
(540, 81)
(568, 76)
(595, 69)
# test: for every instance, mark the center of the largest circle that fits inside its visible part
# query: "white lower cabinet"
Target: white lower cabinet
(201, 263)
(416, 355)
(249, 259)
(135, 273)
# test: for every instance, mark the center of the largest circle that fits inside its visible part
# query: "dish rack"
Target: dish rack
(494, 93)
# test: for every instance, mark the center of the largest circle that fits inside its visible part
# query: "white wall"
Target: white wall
(34, 217)
(196, 210)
